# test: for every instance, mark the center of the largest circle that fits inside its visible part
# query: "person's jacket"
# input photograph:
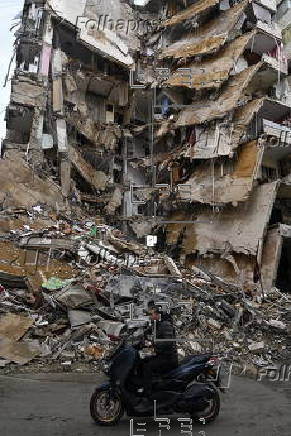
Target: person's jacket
(166, 330)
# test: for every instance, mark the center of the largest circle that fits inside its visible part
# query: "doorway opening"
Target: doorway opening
(283, 281)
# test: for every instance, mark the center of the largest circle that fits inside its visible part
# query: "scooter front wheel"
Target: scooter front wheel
(106, 408)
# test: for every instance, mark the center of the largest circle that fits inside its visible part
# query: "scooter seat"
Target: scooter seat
(199, 359)
(195, 359)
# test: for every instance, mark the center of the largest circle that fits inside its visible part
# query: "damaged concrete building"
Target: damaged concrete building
(169, 119)
(222, 144)
(70, 98)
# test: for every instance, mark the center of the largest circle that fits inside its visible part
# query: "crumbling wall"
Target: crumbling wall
(21, 187)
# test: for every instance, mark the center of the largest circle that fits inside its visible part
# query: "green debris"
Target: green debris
(56, 283)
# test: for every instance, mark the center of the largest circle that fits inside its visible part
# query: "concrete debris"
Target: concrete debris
(21, 186)
(147, 154)
(73, 297)
(277, 324)
(209, 37)
(172, 267)
(211, 73)
(97, 179)
(13, 326)
(193, 11)
(213, 323)
(80, 142)
(196, 347)
(256, 346)
(76, 321)
(78, 317)
(94, 351)
(18, 352)
(111, 328)
(206, 110)
(3, 363)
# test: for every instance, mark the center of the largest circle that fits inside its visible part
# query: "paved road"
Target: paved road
(57, 405)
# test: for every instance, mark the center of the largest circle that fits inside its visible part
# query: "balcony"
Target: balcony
(276, 139)
(276, 64)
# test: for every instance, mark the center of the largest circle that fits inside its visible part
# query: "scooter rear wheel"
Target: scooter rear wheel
(210, 413)
(106, 408)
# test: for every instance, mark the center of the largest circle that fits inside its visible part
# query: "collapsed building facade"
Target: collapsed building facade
(178, 128)
(231, 161)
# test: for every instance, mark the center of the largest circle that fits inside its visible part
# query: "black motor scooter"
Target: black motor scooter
(190, 388)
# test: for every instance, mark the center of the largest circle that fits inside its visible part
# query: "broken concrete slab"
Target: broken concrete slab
(14, 327)
(74, 297)
(3, 363)
(193, 11)
(97, 179)
(236, 186)
(111, 328)
(79, 317)
(209, 37)
(12, 276)
(241, 226)
(27, 92)
(214, 71)
(227, 101)
(49, 243)
(25, 187)
(18, 352)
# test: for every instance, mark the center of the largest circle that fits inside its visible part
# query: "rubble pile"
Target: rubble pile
(247, 328)
(71, 289)
(196, 163)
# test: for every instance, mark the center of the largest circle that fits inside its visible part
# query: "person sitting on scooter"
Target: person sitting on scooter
(166, 355)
